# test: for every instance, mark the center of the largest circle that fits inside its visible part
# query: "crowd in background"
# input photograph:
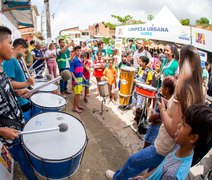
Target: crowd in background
(177, 77)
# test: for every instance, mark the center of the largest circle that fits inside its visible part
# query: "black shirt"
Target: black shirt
(10, 112)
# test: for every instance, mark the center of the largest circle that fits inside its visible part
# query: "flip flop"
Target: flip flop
(82, 108)
(76, 110)
(67, 92)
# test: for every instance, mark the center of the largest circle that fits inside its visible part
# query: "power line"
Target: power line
(53, 15)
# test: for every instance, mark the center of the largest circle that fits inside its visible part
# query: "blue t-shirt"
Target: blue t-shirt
(14, 71)
(172, 167)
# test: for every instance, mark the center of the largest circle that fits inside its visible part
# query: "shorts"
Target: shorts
(152, 133)
(77, 89)
(112, 88)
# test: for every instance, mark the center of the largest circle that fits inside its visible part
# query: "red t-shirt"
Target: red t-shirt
(86, 73)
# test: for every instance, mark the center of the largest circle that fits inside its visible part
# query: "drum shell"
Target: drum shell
(37, 109)
(126, 85)
(54, 168)
(103, 89)
(123, 100)
(145, 92)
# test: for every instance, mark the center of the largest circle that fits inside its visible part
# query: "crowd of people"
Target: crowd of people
(179, 123)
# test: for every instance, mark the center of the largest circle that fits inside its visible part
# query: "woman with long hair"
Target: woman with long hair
(170, 65)
(188, 92)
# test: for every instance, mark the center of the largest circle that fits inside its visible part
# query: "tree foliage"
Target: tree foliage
(185, 22)
(106, 40)
(150, 17)
(122, 20)
(110, 25)
(202, 21)
(65, 37)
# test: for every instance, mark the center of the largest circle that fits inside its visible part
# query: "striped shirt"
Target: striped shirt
(77, 69)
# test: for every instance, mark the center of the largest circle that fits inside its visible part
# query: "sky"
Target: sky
(69, 13)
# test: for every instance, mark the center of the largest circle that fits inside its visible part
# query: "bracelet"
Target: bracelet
(163, 109)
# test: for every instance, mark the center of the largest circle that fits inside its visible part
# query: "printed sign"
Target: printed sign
(177, 34)
(6, 164)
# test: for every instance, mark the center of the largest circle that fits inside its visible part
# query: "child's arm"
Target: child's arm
(75, 79)
(171, 122)
(105, 74)
(86, 66)
(19, 85)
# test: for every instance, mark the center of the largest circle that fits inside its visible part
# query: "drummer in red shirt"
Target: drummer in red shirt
(99, 66)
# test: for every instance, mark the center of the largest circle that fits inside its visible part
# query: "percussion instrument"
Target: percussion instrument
(126, 84)
(47, 102)
(145, 90)
(55, 154)
(50, 88)
(103, 88)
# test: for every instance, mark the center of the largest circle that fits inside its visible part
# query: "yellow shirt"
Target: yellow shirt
(31, 48)
(141, 73)
(110, 74)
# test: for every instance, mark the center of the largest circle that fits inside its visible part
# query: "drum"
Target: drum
(41, 80)
(50, 88)
(145, 90)
(126, 84)
(47, 102)
(103, 88)
(55, 154)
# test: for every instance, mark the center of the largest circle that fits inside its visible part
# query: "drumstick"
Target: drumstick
(39, 66)
(65, 75)
(61, 127)
(33, 65)
(43, 85)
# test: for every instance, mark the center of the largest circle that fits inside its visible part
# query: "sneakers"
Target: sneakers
(109, 174)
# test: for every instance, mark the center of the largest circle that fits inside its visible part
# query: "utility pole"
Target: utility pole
(48, 23)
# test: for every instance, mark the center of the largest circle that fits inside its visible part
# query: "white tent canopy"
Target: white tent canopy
(165, 16)
(166, 27)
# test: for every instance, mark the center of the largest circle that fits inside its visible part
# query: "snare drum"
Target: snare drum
(126, 84)
(103, 88)
(50, 88)
(55, 154)
(145, 90)
(46, 102)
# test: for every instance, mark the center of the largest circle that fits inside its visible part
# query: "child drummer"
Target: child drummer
(144, 76)
(110, 74)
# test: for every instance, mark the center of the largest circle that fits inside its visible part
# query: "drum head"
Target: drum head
(145, 86)
(49, 88)
(102, 83)
(54, 145)
(127, 68)
(48, 100)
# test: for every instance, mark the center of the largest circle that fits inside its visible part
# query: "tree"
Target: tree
(150, 17)
(202, 21)
(110, 25)
(106, 40)
(65, 37)
(122, 20)
(126, 20)
(185, 22)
